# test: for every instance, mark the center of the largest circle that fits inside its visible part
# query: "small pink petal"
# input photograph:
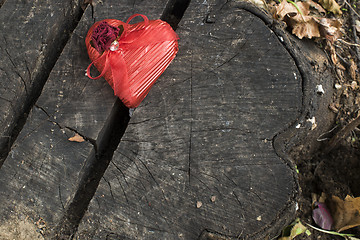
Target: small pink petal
(322, 216)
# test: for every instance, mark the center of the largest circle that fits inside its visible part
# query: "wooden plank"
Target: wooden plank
(198, 153)
(32, 36)
(43, 165)
(42, 169)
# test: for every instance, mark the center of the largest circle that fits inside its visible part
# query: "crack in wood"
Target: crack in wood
(110, 189)
(60, 196)
(14, 65)
(86, 138)
(239, 202)
(45, 63)
(119, 181)
(122, 173)
(191, 118)
(137, 168)
(7, 100)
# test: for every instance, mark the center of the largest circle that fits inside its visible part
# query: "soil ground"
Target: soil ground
(335, 173)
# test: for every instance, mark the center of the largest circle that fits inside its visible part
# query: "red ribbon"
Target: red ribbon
(130, 39)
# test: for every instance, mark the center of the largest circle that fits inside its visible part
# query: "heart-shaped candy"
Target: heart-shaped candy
(131, 57)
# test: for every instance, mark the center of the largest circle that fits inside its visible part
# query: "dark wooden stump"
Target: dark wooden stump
(197, 154)
(204, 155)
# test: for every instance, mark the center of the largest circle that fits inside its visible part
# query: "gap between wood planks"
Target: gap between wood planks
(2, 2)
(51, 54)
(106, 144)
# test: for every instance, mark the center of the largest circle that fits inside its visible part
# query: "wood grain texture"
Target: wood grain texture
(198, 153)
(32, 36)
(42, 169)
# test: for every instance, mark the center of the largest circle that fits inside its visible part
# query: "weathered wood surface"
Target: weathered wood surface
(206, 130)
(32, 36)
(42, 169)
(43, 165)
(203, 136)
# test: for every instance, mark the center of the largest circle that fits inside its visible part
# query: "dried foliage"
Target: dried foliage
(346, 213)
(331, 6)
(306, 20)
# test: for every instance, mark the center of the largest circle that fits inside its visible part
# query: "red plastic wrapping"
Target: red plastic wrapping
(136, 59)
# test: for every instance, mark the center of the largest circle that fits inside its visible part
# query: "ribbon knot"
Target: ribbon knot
(133, 37)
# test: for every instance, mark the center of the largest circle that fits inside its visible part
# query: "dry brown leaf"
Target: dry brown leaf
(346, 213)
(333, 108)
(331, 6)
(329, 28)
(333, 55)
(308, 28)
(305, 25)
(302, 25)
(338, 66)
(317, 7)
(287, 9)
(76, 138)
(352, 70)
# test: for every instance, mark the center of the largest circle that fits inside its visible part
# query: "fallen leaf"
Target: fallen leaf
(308, 28)
(317, 7)
(76, 138)
(298, 229)
(331, 6)
(346, 213)
(333, 56)
(352, 69)
(288, 9)
(297, 17)
(322, 216)
(293, 230)
(329, 28)
(198, 204)
(306, 18)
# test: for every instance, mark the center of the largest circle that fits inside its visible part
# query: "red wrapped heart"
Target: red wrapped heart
(131, 57)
